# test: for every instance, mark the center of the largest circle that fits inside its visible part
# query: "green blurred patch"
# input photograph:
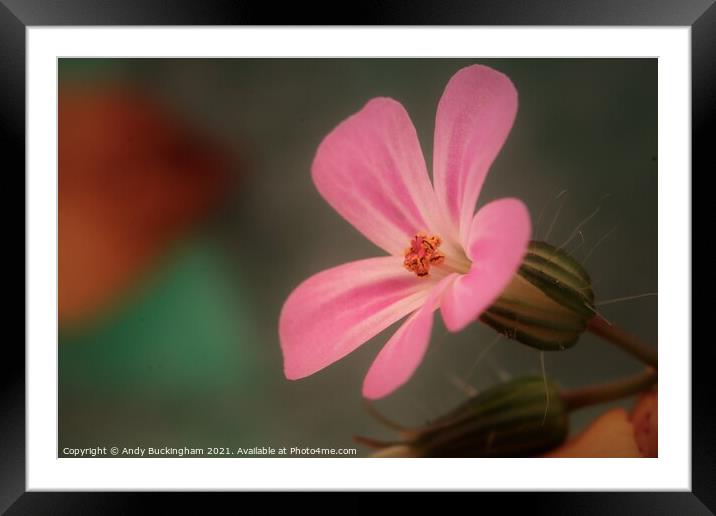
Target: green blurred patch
(188, 328)
(99, 70)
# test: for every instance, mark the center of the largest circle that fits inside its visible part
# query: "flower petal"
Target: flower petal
(474, 117)
(497, 243)
(400, 357)
(335, 311)
(371, 170)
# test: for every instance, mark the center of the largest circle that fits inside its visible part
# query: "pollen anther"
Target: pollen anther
(422, 253)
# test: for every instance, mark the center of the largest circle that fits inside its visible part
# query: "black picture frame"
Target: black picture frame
(17, 15)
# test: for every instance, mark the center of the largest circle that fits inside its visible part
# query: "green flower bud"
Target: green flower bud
(518, 418)
(548, 302)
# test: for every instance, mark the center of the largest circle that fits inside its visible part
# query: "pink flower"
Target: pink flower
(371, 170)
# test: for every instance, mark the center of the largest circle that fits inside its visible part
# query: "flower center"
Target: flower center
(422, 253)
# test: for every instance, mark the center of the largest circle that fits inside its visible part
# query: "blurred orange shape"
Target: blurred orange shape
(610, 435)
(132, 177)
(617, 433)
(645, 421)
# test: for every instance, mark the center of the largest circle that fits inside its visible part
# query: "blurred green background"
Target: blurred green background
(188, 354)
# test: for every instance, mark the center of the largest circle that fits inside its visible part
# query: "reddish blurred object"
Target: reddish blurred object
(132, 178)
(610, 435)
(646, 424)
(617, 433)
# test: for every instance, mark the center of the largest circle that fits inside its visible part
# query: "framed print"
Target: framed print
(438, 254)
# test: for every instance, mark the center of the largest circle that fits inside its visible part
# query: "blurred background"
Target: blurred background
(185, 197)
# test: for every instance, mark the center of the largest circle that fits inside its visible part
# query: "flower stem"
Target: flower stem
(626, 341)
(595, 394)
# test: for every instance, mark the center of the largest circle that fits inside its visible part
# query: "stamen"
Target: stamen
(422, 253)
